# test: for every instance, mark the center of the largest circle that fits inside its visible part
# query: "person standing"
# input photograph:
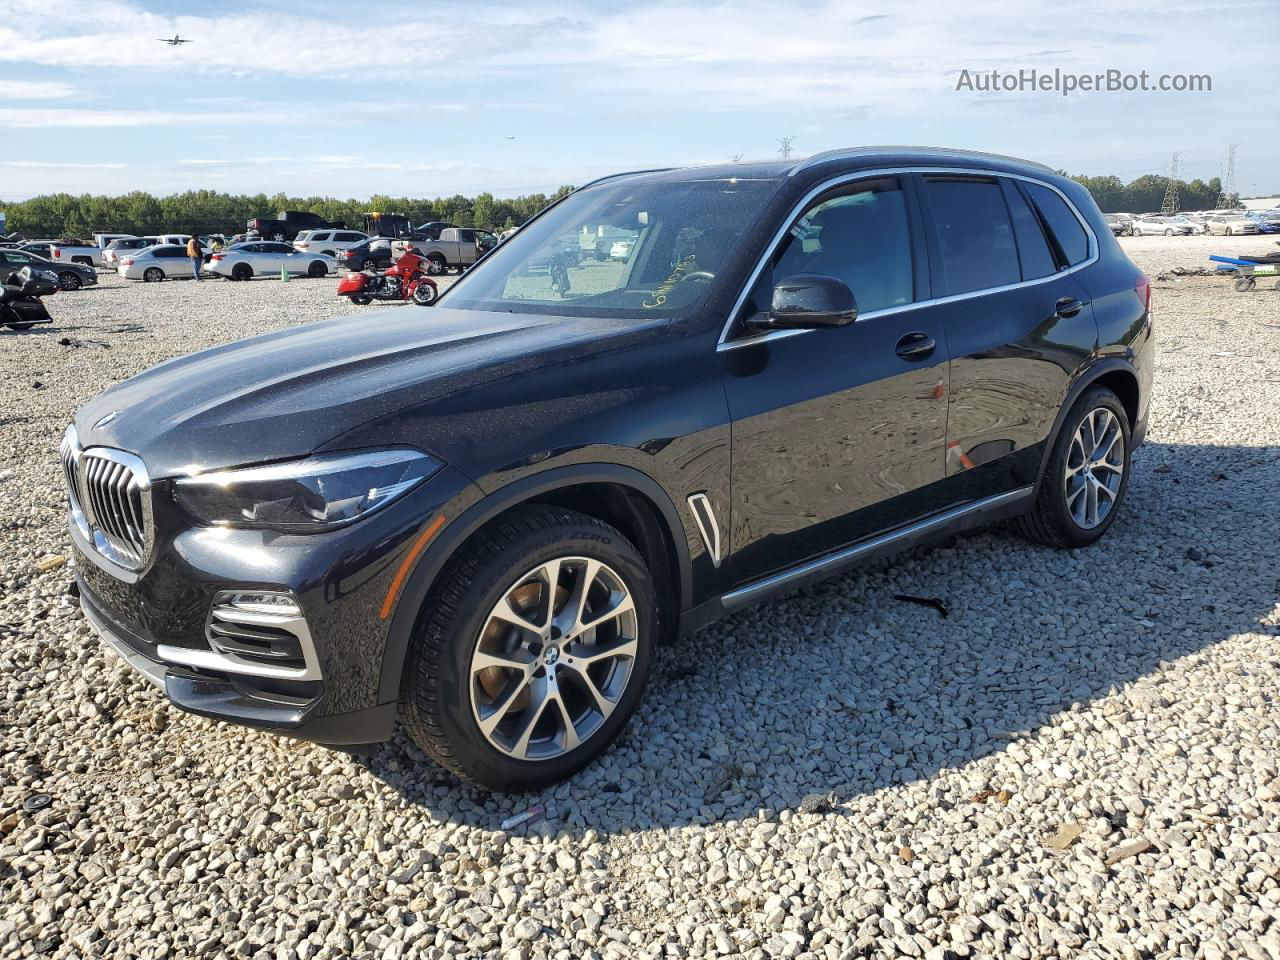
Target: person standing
(196, 252)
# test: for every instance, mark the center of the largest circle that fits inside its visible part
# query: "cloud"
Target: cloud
(59, 165)
(36, 90)
(30, 118)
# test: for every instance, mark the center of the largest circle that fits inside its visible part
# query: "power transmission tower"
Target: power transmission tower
(1170, 204)
(784, 147)
(735, 158)
(1228, 181)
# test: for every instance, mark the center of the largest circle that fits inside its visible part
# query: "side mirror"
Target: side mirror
(808, 301)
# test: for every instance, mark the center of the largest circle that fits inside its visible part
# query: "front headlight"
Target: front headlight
(302, 496)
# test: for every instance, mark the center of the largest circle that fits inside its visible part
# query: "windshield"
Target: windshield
(625, 250)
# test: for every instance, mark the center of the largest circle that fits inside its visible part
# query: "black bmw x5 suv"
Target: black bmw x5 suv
(482, 520)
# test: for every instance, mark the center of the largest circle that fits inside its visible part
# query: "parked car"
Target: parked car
(71, 276)
(265, 258)
(121, 247)
(485, 524)
(1232, 225)
(288, 224)
(369, 255)
(328, 242)
(458, 247)
(1268, 221)
(156, 263)
(1160, 226)
(76, 251)
(1118, 227)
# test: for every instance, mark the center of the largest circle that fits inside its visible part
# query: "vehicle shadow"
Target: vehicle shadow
(842, 690)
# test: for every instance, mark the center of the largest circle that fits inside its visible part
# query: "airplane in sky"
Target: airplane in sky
(174, 42)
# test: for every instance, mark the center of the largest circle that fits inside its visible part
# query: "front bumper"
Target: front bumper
(158, 618)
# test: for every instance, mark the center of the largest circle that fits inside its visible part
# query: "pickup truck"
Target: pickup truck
(76, 251)
(288, 224)
(458, 247)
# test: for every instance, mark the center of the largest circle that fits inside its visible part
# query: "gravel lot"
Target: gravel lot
(1083, 759)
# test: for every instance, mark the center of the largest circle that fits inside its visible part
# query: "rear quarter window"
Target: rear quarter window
(1062, 223)
(1033, 248)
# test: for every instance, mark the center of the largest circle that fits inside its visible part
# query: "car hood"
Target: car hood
(284, 394)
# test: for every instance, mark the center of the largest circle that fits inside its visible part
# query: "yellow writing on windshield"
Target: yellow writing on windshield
(678, 274)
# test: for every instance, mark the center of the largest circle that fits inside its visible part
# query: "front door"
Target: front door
(839, 432)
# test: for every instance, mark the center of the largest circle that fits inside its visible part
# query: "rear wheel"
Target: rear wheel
(22, 326)
(368, 264)
(153, 275)
(69, 281)
(317, 269)
(278, 237)
(1087, 474)
(533, 650)
(437, 265)
(242, 271)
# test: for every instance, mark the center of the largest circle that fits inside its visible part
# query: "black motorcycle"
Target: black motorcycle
(20, 294)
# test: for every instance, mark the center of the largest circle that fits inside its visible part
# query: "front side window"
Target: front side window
(975, 236)
(673, 240)
(858, 235)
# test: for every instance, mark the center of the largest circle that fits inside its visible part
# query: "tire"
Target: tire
(1051, 520)
(278, 236)
(425, 294)
(437, 265)
(362, 301)
(1228, 231)
(1245, 284)
(83, 261)
(317, 269)
(1168, 233)
(68, 280)
(242, 271)
(22, 326)
(444, 692)
(368, 265)
(153, 275)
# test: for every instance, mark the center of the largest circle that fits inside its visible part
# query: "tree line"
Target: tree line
(206, 211)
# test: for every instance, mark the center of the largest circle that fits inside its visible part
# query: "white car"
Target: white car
(267, 258)
(1158, 226)
(328, 241)
(162, 262)
(1232, 225)
(124, 247)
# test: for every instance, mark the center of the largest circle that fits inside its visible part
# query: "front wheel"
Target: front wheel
(424, 294)
(533, 650)
(1168, 233)
(317, 270)
(1087, 474)
(69, 281)
(1228, 231)
(362, 301)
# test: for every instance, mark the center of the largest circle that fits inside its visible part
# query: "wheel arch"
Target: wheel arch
(1114, 373)
(622, 496)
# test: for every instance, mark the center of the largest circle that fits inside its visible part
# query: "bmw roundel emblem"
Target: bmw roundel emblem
(103, 421)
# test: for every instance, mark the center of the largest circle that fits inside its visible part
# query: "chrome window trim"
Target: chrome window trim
(710, 537)
(724, 343)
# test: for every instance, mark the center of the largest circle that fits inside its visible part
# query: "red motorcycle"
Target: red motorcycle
(405, 280)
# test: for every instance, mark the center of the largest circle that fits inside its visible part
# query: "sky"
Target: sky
(432, 98)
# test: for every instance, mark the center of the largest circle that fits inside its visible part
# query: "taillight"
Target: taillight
(126, 262)
(57, 254)
(303, 245)
(216, 256)
(1143, 289)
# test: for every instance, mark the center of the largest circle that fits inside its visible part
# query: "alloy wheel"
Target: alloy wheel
(554, 658)
(1095, 468)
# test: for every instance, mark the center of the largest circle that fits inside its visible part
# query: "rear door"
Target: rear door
(838, 433)
(1018, 321)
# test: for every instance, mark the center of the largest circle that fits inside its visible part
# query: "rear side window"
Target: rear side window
(1065, 225)
(1033, 248)
(975, 236)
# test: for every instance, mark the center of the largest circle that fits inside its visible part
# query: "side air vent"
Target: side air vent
(704, 516)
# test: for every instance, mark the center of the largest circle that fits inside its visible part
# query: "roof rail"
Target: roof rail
(614, 176)
(849, 152)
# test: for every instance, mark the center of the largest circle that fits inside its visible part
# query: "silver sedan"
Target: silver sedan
(267, 258)
(161, 262)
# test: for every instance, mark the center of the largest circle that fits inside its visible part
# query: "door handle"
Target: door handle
(915, 346)
(1069, 306)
